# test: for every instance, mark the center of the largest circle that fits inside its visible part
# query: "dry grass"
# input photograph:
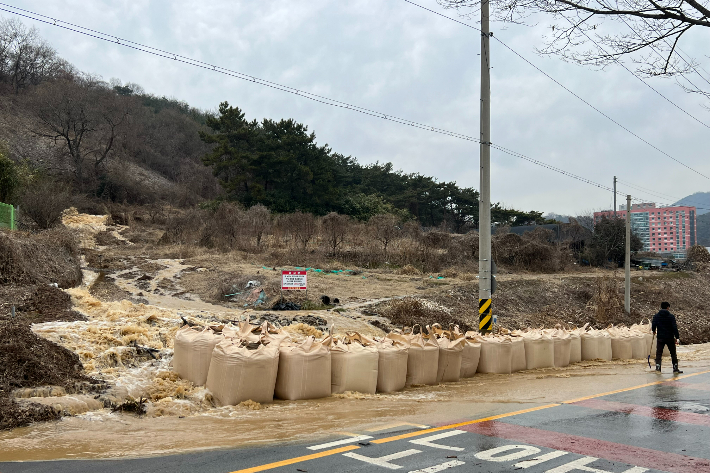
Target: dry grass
(48, 257)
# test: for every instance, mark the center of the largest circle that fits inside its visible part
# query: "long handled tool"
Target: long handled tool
(649, 351)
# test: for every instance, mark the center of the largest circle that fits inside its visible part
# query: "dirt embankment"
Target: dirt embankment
(28, 265)
(569, 300)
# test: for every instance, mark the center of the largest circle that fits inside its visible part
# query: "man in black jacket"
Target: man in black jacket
(667, 335)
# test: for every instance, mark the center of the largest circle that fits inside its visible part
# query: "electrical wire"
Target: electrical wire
(315, 97)
(569, 90)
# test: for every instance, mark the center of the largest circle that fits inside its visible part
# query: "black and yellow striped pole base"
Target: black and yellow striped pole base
(485, 323)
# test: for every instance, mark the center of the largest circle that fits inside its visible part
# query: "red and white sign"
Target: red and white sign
(294, 280)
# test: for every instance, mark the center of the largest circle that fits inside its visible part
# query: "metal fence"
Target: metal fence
(8, 216)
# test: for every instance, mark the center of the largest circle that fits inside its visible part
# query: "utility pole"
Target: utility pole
(484, 203)
(614, 196)
(627, 264)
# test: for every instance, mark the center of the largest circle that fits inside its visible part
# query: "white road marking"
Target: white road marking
(441, 467)
(492, 454)
(581, 465)
(428, 441)
(339, 442)
(383, 461)
(540, 459)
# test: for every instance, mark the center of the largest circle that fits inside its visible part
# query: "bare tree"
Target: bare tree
(25, 58)
(648, 31)
(384, 228)
(302, 226)
(335, 229)
(258, 221)
(83, 117)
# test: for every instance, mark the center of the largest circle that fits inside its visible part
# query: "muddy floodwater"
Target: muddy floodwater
(104, 434)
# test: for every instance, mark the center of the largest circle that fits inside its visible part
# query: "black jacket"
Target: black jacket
(664, 322)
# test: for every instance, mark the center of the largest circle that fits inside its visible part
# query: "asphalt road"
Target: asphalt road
(660, 426)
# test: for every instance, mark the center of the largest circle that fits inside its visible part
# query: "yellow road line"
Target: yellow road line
(632, 388)
(396, 424)
(291, 461)
(335, 451)
(460, 424)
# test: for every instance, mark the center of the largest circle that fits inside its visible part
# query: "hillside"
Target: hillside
(69, 138)
(699, 199)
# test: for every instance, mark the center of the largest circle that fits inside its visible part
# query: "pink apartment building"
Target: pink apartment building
(661, 229)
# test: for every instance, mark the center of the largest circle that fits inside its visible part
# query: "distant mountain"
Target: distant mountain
(699, 199)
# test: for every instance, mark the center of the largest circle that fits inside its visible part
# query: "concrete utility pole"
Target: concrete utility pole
(614, 196)
(484, 203)
(627, 263)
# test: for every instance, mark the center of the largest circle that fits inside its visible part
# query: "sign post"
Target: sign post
(294, 280)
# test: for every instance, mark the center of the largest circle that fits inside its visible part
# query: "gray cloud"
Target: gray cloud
(398, 59)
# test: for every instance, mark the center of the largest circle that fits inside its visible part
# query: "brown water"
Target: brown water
(102, 434)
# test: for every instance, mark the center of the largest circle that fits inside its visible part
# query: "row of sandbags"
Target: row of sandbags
(258, 363)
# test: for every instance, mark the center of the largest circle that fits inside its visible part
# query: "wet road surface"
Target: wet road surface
(659, 426)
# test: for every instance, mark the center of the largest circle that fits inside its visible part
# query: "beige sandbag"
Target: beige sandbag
(496, 354)
(304, 370)
(193, 353)
(422, 359)
(451, 347)
(620, 343)
(244, 330)
(354, 363)
(539, 350)
(575, 349)
(392, 365)
(239, 374)
(645, 329)
(591, 345)
(562, 340)
(638, 345)
(518, 361)
(605, 351)
(470, 356)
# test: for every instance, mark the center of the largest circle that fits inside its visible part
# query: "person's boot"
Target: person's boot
(658, 367)
(676, 370)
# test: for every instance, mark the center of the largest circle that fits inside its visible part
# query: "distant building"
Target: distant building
(669, 230)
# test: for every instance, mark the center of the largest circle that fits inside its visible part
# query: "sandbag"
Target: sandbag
(638, 345)
(591, 345)
(666, 352)
(354, 363)
(193, 353)
(304, 370)
(450, 354)
(605, 351)
(239, 374)
(575, 350)
(470, 356)
(645, 329)
(518, 361)
(496, 354)
(539, 350)
(422, 359)
(620, 343)
(392, 365)
(562, 341)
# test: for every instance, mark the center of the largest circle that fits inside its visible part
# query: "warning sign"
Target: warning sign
(294, 280)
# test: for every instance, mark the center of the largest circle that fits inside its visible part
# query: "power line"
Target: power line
(616, 60)
(315, 97)
(569, 90)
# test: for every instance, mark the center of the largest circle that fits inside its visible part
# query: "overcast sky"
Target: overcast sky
(395, 58)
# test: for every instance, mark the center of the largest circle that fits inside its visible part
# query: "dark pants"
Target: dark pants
(660, 343)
